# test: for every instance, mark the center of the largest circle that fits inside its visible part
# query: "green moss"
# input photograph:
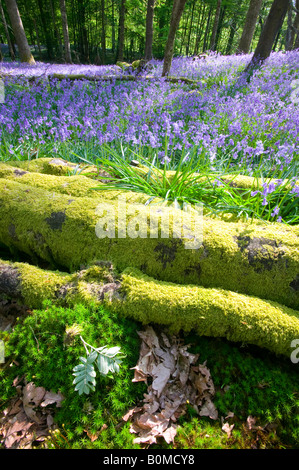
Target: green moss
(73, 185)
(209, 312)
(257, 259)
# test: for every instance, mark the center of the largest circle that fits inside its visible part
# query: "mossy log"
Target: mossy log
(260, 259)
(58, 166)
(208, 312)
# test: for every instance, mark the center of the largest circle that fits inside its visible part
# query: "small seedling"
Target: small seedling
(106, 359)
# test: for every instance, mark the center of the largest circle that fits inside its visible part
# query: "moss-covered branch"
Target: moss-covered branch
(210, 312)
(57, 166)
(257, 259)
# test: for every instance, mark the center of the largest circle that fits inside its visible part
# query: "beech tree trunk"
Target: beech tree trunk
(19, 32)
(177, 11)
(215, 26)
(103, 32)
(121, 31)
(294, 30)
(148, 53)
(65, 29)
(249, 26)
(269, 33)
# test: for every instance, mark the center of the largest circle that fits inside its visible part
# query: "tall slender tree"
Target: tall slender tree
(293, 27)
(19, 32)
(65, 30)
(269, 33)
(10, 45)
(148, 53)
(215, 25)
(103, 32)
(249, 26)
(177, 10)
(121, 31)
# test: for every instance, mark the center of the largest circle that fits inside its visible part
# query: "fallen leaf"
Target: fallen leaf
(227, 428)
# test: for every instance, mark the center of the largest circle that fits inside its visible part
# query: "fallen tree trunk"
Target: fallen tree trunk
(103, 78)
(59, 167)
(257, 259)
(209, 312)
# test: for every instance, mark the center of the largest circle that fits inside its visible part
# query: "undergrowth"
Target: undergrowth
(45, 345)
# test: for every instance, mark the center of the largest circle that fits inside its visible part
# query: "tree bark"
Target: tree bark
(177, 10)
(46, 30)
(148, 52)
(249, 26)
(59, 50)
(10, 46)
(269, 33)
(205, 42)
(55, 224)
(215, 25)
(103, 32)
(65, 29)
(209, 312)
(121, 31)
(19, 32)
(295, 29)
(199, 29)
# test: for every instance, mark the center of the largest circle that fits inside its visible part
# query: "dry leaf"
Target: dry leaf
(228, 429)
(175, 381)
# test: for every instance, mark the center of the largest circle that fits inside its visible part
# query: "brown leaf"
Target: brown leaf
(250, 422)
(51, 397)
(209, 409)
(228, 428)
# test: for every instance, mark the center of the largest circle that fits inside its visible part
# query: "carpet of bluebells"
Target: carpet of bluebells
(223, 120)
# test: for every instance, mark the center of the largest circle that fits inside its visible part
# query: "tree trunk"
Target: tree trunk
(38, 40)
(190, 29)
(269, 33)
(215, 25)
(148, 50)
(19, 32)
(121, 31)
(205, 42)
(199, 29)
(65, 29)
(231, 37)
(249, 27)
(59, 50)
(295, 28)
(46, 30)
(113, 26)
(177, 10)
(63, 225)
(209, 312)
(103, 33)
(220, 25)
(10, 46)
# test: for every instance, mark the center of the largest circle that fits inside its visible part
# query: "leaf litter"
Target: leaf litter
(175, 381)
(27, 421)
